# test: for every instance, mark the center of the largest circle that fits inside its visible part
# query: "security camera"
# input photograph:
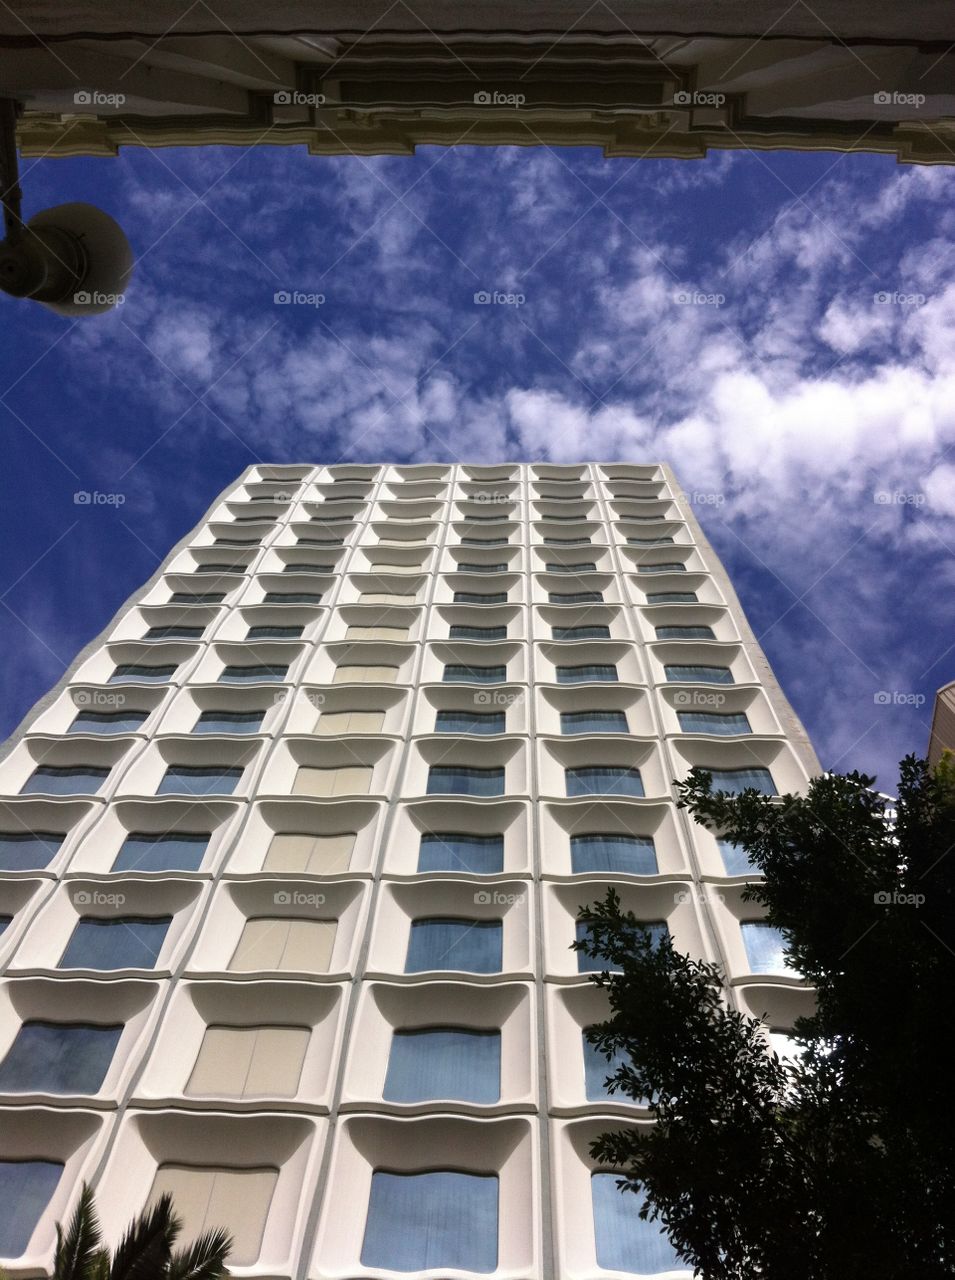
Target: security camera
(73, 258)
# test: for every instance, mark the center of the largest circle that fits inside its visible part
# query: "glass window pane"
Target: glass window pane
(450, 779)
(685, 633)
(107, 721)
(698, 673)
(435, 1219)
(273, 632)
(454, 851)
(51, 1057)
(199, 780)
(588, 964)
(141, 673)
(229, 722)
(604, 780)
(765, 948)
(461, 632)
(624, 1241)
(28, 850)
(581, 633)
(586, 674)
(672, 597)
(469, 722)
(444, 1062)
(571, 568)
(575, 597)
(459, 672)
(260, 672)
(735, 859)
(26, 1188)
(168, 851)
(736, 781)
(472, 946)
(597, 1070)
(593, 722)
(292, 597)
(632, 855)
(713, 722)
(115, 942)
(474, 597)
(671, 566)
(175, 631)
(53, 780)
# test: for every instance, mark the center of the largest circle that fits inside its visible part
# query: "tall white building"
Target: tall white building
(291, 859)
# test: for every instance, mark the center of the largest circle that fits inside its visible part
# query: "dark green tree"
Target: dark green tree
(146, 1251)
(840, 1164)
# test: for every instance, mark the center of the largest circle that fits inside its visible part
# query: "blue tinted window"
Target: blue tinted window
(469, 722)
(624, 1241)
(108, 721)
(713, 722)
(604, 780)
(229, 722)
(737, 780)
(575, 597)
(141, 673)
(197, 597)
(219, 568)
(765, 948)
(587, 964)
(27, 850)
(473, 946)
(581, 633)
(553, 567)
(474, 597)
(698, 674)
(605, 672)
(115, 942)
(462, 632)
(26, 1188)
(685, 633)
(302, 567)
(199, 780)
(597, 1070)
(56, 1057)
(482, 568)
(649, 542)
(175, 631)
(633, 855)
(672, 597)
(234, 674)
(447, 779)
(444, 1062)
(671, 566)
(484, 542)
(166, 851)
(53, 780)
(593, 722)
(4, 921)
(435, 1219)
(270, 632)
(735, 859)
(456, 851)
(459, 672)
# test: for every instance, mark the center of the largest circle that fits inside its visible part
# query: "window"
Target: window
(108, 721)
(459, 672)
(28, 850)
(672, 597)
(670, 566)
(624, 1241)
(229, 722)
(475, 597)
(385, 597)
(59, 1057)
(233, 674)
(650, 542)
(65, 780)
(566, 542)
(197, 597)
(447, 779)
(314, 855)
(268, 631)
(175, 631)
(237, 1200)
(320, 542)
(247, 1062)
(219, 568)
(376, 633)
(685, 633)
(461, 632)
(469, 722)
(575, 597)
(580, 633)
(713, 722)
(471, 946)
(735, 859)
(586, 674)
(441, 1218)
(115, 942)
(459, 851)
(162, 851)
(343, 780)
(26, 1188)
(364, 674)
(4, 921)
(236, 542)
(736, 781)
(657, 930)
(292, 597)
(199, 780)
(633, 855)
(604, 780)
(698, 674)
(444, 1062)
(484, 542)
(333, 723)
(465, 567)
(593, 722)
(597, 1069)
(304, 566)
(141, 673)
(284, 944)
(765, 948)
(571, 568)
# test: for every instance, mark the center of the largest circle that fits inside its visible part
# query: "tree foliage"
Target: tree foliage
(839, 1165)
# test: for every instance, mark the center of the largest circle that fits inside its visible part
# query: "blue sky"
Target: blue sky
(779, 327)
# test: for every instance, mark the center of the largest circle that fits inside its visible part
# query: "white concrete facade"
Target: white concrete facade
(254, 1030)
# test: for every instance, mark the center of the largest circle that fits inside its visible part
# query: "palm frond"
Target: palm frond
(76, 1247)
(204, 1259)
(145, 1249)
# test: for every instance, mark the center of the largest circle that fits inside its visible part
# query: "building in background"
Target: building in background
(942, 736)
(377, 78)
(291, 858)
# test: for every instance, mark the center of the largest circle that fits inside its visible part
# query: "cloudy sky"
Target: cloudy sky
(780, 328)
